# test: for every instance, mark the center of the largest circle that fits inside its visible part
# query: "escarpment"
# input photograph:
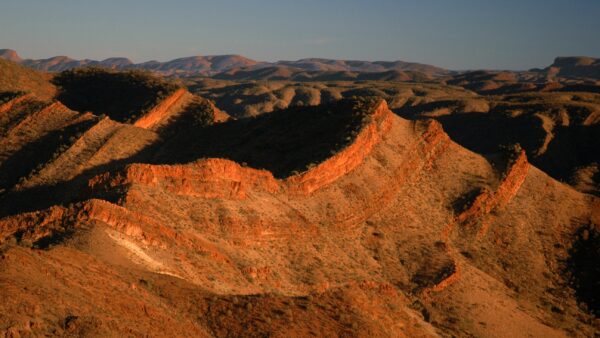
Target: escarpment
(207, 178)
(214, 177)
(302, 221)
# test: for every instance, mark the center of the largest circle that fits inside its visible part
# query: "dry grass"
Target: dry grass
(19, 78)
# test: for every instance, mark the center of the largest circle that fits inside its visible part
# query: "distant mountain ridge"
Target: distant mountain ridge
(574, 67)
(315, 64)
(215, 64)
(287, 73)
(238, 67)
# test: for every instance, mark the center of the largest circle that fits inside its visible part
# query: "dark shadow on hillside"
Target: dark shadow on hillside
(486, 133)
(6, 96)
(583, 269)
(37, 153)
(572, 147)
(123, 96)
(64, 193)
(196, 115)
(281, 142)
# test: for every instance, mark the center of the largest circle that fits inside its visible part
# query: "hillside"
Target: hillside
(17, 78)
(354, 217)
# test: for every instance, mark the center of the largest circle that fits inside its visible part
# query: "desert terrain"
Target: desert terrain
(226, 197)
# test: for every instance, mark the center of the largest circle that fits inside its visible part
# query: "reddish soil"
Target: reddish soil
(399, 233)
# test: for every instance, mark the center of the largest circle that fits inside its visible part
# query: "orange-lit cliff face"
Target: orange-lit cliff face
(401, 232)
(162, 111)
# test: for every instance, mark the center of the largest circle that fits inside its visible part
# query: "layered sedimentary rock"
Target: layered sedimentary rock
(402, 232)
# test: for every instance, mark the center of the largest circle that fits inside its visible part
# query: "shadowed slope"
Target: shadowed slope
(283, 142)
(49, 151)
(123, 96)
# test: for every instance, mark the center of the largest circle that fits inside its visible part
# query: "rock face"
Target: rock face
(209, 178)
(162, 111)
(487, 201)
(345, 161)
(399, 232)
(219, 178)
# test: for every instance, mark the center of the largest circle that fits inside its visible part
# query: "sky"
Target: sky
(454, 34)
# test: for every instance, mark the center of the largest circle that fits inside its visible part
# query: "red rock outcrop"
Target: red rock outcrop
(432, 142)
(484, 203)
(487, 201)
(162, 110)
(201, 236)
(34, 226)
(347, 159)
(145, 229)
(207, 178)
(220, 178)
(8, 105)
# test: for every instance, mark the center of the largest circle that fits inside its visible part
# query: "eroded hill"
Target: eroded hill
(558, 126)
(343, 219)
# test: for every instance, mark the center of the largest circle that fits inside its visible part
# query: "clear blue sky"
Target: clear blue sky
(456, 34)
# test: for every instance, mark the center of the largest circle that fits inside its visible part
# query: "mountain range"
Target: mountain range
(214, 64)
(241, 68)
